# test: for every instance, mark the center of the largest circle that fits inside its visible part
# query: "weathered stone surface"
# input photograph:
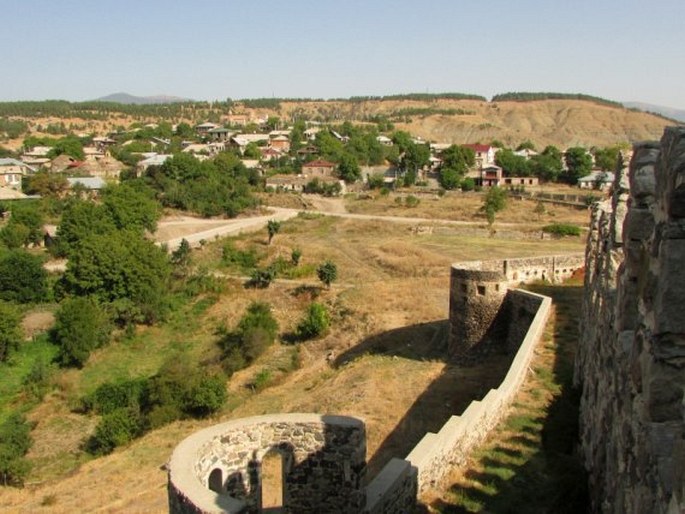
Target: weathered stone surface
(631, 359)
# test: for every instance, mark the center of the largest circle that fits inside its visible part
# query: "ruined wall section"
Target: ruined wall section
(219, 468)
(631, 360)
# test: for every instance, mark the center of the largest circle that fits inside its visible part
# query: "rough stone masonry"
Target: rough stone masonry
(631, 359)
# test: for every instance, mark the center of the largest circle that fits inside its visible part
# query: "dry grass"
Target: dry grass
(388, 305)
(458, 206)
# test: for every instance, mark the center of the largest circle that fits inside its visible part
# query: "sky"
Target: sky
(624, 50)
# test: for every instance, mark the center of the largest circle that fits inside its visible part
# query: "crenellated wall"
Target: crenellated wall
(631, 359)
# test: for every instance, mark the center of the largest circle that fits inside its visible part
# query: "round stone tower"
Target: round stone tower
(477, 290)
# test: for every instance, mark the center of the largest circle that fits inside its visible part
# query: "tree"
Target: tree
(69, 145)
(10, 330)
(458, 158)
(348, 168)
(255, 332)
(526, 145)
(327, 273)
(25, 226)
(494, 201)
(131, 207)
(252, 151)
(314, 323)
(45, 184)
(512, 164)
(607, 158)
(81, 219)
(181, 256)
(547, 165)
(449, 178)
(124, 268)
(22, 277)
(80, 327)
(273, 227)
(578, 164)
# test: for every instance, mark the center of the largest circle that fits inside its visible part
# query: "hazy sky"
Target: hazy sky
(213, 49)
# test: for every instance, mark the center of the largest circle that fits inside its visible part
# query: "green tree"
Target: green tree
(25, 226)
(295, 256)
(449, 178)
(10, 330)
(115, 429)
(124, 268)
(22, 277)
(45, 184)
(348, 168)
(578, 164)
(606, 159)
(81, 219)
(70, 146)
(252, 151)
(327, 273)
(526, 145)
(459, 159)
(314, 323)
(15, 442)
(273, 227)
(494, 201)
(181, 256)
(547, 165)
(131, 207)
(81, 326)
(512, 164)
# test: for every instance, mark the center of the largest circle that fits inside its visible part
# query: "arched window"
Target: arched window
(216, 481)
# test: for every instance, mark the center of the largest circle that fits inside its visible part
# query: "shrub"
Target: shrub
(327, 273)
(109, 397)
(244, 259)
(562, 229)
(205, 396)
(411, 201)
(261, 278)
(22, 277)
(115, 429)
(295, 256)
(255, 332)
(10, 331)
(314, 323)
(15, 442)
(80, 327)
(468, 184)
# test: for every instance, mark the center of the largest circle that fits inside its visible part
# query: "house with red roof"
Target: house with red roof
(485, 154)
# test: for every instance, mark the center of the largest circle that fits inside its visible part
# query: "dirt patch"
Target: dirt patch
(37, 322)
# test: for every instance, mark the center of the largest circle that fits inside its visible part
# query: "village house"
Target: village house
(239, 120)
(318, 168)
(280, 143)
(384, 140)
(91, 185)
(36, 156)
(311, 133)
(601, 180)
(203, 128)
(219, 134)
(269, 154)
(490, 176)
(152, 159)
(240, 141)
(12, 171)
(485, 154)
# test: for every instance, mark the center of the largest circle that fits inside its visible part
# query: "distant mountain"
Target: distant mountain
(125, 98)
(669, 112)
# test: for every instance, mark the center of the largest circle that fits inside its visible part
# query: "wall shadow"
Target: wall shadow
(448, 395)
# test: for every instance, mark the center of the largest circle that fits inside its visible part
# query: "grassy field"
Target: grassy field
(381, 361)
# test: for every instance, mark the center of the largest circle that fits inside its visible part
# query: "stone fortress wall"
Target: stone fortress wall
(219, 468)
(631, 359)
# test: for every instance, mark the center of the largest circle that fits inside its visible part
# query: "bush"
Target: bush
(262, 278)
(15, 442)
(110, 397)
(256, 331)
(205, 396)
(10, 330)
(468, 184)
(327, 273)
(80, 327)
(562, 229)
(117, 428)
(411, 201)
(22, 277)
(244, 259)
(315, 322)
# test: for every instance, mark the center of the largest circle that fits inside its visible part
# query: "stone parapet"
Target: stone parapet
(631, 358)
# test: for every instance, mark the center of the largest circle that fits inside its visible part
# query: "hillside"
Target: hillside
(559, 122)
